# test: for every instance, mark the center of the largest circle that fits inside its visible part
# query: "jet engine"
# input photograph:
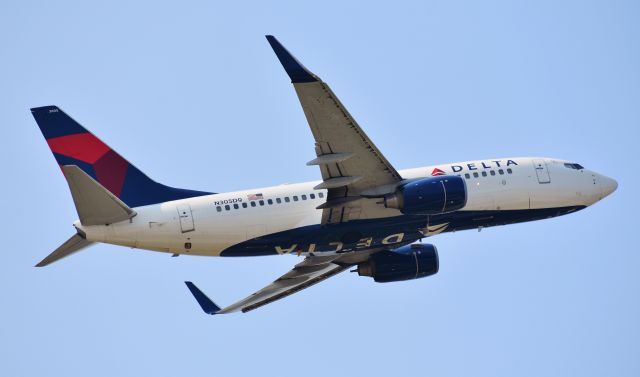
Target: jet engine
(404, 263)
(429, 196)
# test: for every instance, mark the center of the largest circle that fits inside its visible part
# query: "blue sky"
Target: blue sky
(192, 94)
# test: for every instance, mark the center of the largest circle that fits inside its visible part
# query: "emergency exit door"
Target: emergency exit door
(541, 171)
(186, 219)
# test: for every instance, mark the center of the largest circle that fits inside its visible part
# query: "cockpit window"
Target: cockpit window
(574, 166)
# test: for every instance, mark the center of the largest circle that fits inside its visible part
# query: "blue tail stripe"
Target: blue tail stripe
(69, 141)
(66, 160)
(140, 190)
(53, 122)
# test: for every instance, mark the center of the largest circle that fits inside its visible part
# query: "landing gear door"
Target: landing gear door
(542, 172)
(186, 218)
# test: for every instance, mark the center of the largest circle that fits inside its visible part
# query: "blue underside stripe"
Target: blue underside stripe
(351, 232)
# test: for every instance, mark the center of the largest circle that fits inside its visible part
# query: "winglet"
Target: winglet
(296, 71)
(205, 302)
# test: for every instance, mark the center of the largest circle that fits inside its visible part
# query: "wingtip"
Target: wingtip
(296, 71)
(205, 302)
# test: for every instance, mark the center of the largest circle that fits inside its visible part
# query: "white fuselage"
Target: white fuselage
(207, 225)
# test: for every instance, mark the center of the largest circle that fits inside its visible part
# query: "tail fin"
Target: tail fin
(72, 144)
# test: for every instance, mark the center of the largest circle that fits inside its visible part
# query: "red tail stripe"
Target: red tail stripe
(84, 147)
(111, 170)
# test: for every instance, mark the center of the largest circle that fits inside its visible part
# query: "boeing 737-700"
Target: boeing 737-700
(363, 214)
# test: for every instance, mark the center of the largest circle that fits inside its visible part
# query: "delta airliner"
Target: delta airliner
(363, 215)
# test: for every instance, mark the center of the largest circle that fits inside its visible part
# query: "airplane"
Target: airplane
(362, 215)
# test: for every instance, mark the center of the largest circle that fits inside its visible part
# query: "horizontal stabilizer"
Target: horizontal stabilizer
(73, 245)
(95, 204)
(205, 302)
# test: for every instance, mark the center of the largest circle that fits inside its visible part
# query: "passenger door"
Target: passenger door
(186, 218)
(541, 171)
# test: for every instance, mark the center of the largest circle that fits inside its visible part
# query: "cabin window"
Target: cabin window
(295, 198)
(312, 196)
(475, 174)
(286, 199)
(304, 197)
(278, 200)
(484, 173)
(467, 176)
(244, 205)
(253, 204)
(509, 171)
(501, 172)
(321, 194)
(270, 201)
(227, 207)
(261, 202)
(236, 206)
(492, 172)
(219, 209)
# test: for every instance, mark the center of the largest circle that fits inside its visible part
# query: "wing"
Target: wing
(352, 167)
(305, 274)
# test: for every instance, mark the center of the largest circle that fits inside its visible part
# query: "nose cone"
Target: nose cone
(608, 185)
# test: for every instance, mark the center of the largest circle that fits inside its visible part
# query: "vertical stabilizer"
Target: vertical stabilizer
(72, 144)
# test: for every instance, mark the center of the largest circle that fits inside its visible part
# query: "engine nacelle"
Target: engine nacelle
(404, 263)
(429, 196)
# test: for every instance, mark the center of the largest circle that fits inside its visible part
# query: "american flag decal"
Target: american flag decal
(255, 197)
